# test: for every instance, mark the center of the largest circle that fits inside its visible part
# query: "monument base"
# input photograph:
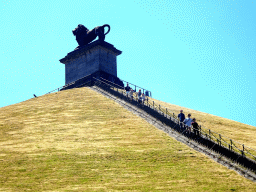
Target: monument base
(98, 76)
(91, 58)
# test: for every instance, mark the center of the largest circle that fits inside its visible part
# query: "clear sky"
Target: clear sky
(194, 53)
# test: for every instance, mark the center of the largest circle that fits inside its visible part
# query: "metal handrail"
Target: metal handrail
(66, 85)
(234, 142)
(150, 93)
(121, 88)
(131, 84)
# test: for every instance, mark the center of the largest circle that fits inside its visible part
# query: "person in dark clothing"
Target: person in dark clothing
(195, 127)
(181, 117)
(139, 93)
(127, 89)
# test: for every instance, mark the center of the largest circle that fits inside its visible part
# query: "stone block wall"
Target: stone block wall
(97, 56)
(107, 61)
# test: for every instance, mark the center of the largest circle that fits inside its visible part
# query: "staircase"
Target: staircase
(169, 123)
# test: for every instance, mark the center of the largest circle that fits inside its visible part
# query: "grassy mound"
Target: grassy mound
(78, 140)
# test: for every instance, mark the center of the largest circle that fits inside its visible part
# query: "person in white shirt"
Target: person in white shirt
(143, 98)
(131, 93)
(187, 123)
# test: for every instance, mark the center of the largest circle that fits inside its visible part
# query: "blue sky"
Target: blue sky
(194, 53)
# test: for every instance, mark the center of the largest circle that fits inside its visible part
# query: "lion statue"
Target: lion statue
(84, 36)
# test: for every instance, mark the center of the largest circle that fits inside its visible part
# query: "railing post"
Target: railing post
(242, 153)
(210, 134)
(153, 105)
(220, 139)
(173, 115)
(243, 150)
(231, 144)
(166, 112)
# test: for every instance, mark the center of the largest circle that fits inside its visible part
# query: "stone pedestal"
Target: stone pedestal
(94, 57)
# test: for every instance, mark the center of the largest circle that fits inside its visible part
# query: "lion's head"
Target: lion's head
(81, 29)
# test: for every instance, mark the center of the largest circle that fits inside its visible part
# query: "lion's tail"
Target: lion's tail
(106, 25)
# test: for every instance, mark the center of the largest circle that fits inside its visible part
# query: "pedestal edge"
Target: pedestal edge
(85, 48)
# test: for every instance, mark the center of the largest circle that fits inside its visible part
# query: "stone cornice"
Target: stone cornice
(82, 50)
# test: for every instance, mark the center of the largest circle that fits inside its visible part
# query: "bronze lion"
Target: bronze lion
(84, 36)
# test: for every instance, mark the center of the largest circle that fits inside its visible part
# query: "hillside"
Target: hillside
(240, 132)
(78, 140)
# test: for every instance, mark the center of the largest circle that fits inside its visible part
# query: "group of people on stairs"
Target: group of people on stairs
(130, 94)
(187, 123)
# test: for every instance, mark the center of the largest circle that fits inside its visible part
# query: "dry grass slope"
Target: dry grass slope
(78, 140)
(242, 133)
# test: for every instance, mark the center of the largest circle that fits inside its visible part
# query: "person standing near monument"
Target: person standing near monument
(127, 89)
(139, 94)
(140, 99)
(131, 94)
(143, 97)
